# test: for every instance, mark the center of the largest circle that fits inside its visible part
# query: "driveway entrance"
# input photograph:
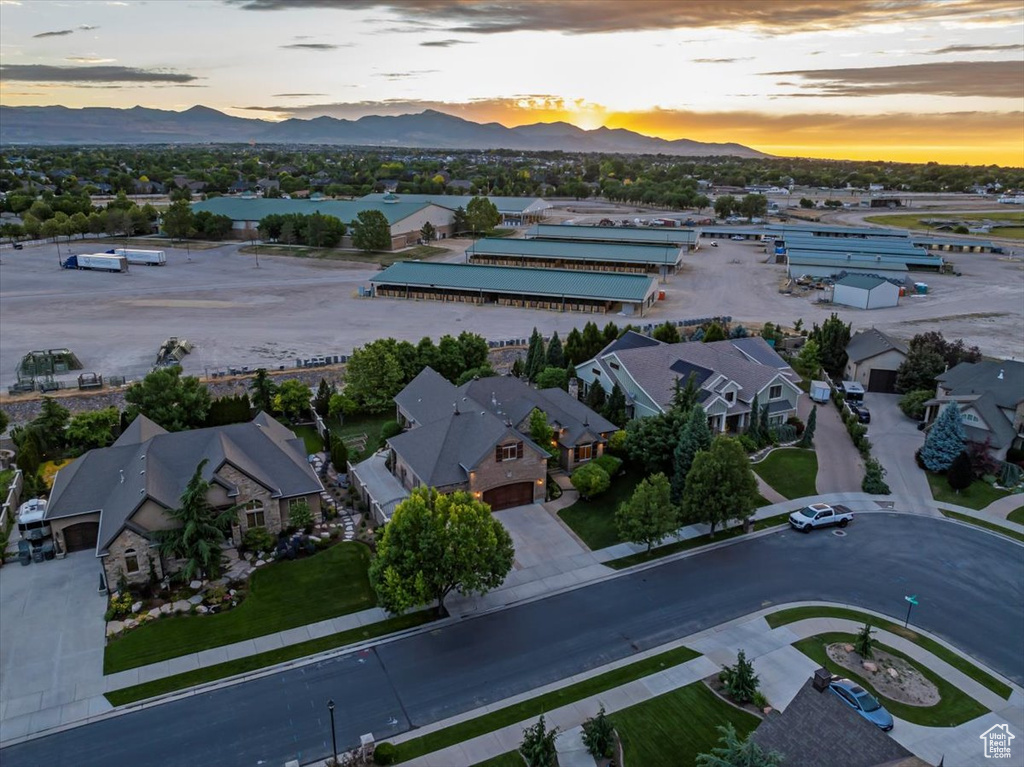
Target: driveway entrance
(894, 439)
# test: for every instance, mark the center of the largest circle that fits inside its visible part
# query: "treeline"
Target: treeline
(315, 229)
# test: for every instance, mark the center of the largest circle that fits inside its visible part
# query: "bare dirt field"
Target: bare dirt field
(239, 315)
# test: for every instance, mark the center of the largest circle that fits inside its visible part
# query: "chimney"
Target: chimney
(821, 680)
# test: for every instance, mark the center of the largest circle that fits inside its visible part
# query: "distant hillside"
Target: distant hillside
(429, 129)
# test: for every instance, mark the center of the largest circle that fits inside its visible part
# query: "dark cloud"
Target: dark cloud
(44, 73)
(722, 61)
(587, 16)
(977, 48)
(289, 96)
(58, 33)
(996, 79)
(314, 46)
(405, 75)
(87, 27)
(445, 43)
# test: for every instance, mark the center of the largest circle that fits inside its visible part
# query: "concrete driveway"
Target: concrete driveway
(840, 467)
(51, 644)
(894, 439)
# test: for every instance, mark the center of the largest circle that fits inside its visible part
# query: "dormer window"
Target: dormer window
(730, 397)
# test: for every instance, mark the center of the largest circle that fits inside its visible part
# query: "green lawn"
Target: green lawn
(672, 729)
(264, 659)
(790, 471)
(913, 221)
(285, 595)
(794, 614)
(953, 709)
(1017, 515)
(693, 543)
(977, 496)
(309, 435)
(472, 728)
(363, 424)
(511, 759)
(594, 520)
(983, 523)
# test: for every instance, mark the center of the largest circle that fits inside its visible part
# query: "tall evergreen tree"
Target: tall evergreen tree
(960, 474)
(555, 355)
(574, 349)
(685, 397)
(832, 338)
(764, 427)
(946, 440)
(596, 398)
(807, 439)
(754, 423)
(593, 342)
(609, 334)
(696, 436)
(263, 390)
(535, 356)
(615, 408)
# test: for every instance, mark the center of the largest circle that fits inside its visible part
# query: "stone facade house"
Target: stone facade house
(873, 358)
(729, 375)
(990, 395)
(115, 500)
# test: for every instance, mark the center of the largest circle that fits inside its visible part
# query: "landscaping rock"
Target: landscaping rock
(260, 563)
(166, 608)
(114, 628)
(154, 613)
(195, 599)
(232, 592)
(869, 666)
(181, 606)
(131, 623)
(202, 609)
(893, 673)
(136, 606)
(195, 585)
(848, 647)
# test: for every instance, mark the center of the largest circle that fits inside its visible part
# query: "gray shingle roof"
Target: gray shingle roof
(428, 397)
(819, 730)
(982, 377)
(118, 479)
(870, 343)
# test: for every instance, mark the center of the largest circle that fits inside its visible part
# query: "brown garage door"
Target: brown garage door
(883, 381)
(507, 496)
(81, 536)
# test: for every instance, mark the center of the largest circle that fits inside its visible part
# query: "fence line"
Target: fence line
(8, 510)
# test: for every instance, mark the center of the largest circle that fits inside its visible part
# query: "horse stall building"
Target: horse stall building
(588, 256)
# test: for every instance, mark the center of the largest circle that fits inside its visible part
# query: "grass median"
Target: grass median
(794, 614)
(517, 712)
(265, 659)
(693, 543)
(983, 523)
(954, 707)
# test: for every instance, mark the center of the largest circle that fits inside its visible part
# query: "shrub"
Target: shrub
(740, 680)
(390, 429)
(873, 478)
(385, 754)
(590, 480)
(864, 644)
(538, 746)
(120, 607)
(797, 424)
(912, 403)
(918, 459)
(301, 516)
(609, 463)
(1013, 455)
(258, 539)
(760, 700)
(599, 735)
(747, 443)
(617, 443)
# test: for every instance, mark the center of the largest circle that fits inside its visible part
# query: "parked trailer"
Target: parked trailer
(102, 262)
(145, 257)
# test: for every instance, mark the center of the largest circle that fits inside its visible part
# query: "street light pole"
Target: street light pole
(334, 737)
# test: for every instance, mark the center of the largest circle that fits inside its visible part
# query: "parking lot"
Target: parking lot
(236, 314)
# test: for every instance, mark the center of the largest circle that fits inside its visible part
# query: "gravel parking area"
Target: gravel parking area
(236, 314)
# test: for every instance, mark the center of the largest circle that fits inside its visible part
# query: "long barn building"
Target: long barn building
(587, 256)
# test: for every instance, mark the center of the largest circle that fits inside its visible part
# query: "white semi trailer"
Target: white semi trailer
(145, 257)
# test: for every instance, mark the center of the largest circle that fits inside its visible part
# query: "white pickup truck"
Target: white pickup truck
(819, 515)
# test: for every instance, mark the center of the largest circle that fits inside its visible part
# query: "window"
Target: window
(613, 365)
(254, 514)
(969, 418)
(730, 397)
(509, 452)
(775, 392)
(131, 561)
(584, 452)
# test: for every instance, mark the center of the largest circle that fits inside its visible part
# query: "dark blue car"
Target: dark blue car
(863, 702)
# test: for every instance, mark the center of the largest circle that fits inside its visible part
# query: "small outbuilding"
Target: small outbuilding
(865, 291)
(873, 359)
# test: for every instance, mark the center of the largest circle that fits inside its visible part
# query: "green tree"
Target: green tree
(651, 441)
(481, 215)
(725, 205)
(292, 399)
(322, 398)
(595, 397)
(807, 438)
(740, 680)
(806, 203)
(919, 370)
(912, 403)
(864, 643)
(435, 544)
(540, 431)
(649, 516)
(555, 354)
(428, 232)
(960, 474)
(720, 486)
(169, 399)
(179, 222)
(373, 376)
(615, 408)
(51, 424)
(339, 455)
(731, 751)
(666, 333)
(450, 359)
(574, 351)
(371, 231)
(753, 206)
(552, 378)
(92, 429)
(832, 338)
(201, 529)
(945, 441)
(714, 332)
(590, 480)
(599, 735)
(695, 437)
(4, 420)
(300, 516)
(535, 355)
(263, 390)
(593, 341)
(475, 352)
(754, 424)
(460, 223)
(685, 396)
(538, 746)
(808, 361)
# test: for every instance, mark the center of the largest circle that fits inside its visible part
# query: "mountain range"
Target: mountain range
(428, 129)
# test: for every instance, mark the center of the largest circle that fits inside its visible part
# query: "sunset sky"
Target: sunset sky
(913, 80)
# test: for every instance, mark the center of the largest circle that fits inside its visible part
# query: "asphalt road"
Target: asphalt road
(970, 585)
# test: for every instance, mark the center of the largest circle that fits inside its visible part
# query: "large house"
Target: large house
(990, 395)
(730, 375)
(475, 438)
(873, 359)
(116, 499)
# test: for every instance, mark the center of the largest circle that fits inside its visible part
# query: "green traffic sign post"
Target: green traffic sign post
(911, 601)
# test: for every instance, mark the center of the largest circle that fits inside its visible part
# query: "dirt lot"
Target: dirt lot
(236, 314)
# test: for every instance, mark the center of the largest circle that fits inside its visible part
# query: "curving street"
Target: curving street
(970, 586)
